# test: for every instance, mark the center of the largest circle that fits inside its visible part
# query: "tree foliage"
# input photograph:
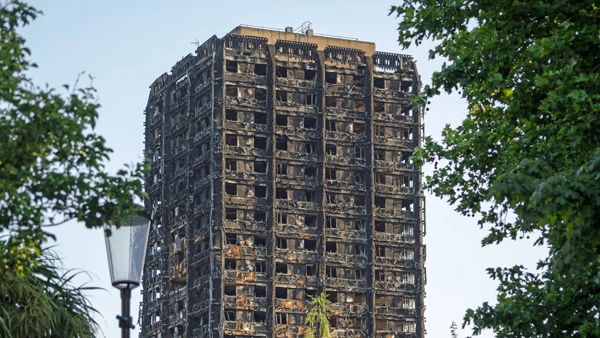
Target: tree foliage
(318, 316)
(44, 303)
(526, 159)
(51, 161)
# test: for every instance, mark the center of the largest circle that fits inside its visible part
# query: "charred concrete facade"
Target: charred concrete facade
(280, 169)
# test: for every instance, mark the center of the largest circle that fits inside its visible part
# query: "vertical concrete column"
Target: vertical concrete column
(370, 199)
(271, 171)
(321, 272)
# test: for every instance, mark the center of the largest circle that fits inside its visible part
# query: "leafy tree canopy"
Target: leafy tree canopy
(51, 161)
(526, 159)
(317, 318)
(44, 303)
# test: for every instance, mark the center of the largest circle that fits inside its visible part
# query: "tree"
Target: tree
(318, 316)
(453, 330)
(526, 159)
(43, 302)
(51, 161)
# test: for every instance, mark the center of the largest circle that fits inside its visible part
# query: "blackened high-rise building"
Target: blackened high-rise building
(280, 169)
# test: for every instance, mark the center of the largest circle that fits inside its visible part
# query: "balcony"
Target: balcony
(245, 252)
(178, 272)
(345, 259)
(245, 328)
(303, 205)
(291, 305)
(234, 102)
(246, 126)
(178, 246)
(244, 303)
(241, 277)
(296, 280)
(345, 160)
(386, 213)
(345, 137)
(298, 156)
(246, 225)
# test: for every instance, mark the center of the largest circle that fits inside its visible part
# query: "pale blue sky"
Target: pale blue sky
(125, 45)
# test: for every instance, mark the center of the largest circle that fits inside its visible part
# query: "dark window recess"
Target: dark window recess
(231, 66)
(331, 101)
(330, 125)
(310, 123)
(359, 105)
(260, 166)
(230, 214)
(231, 115)
(260, 191)
(310, 75)
(379, 107)
(231, 164)
(230, 264)
(229, 289)
(331, 246)
(281, 120)
(310, 196)
(330, 77)
(281, 267)
(379, 154)
(260, 241)
(310, 221)
(231, 139)
(281, 71)
(311, 270)
(260, 291)
(260, 69)
(282, 243)
(380, 226)
(281, 293)
(310, 293)
(230, 316)
(310, 171)
(332, 296)
(260, 118)
(281, 144)
(231, 189)
(310, 244)
(282, 169)
(359, 200)
(260, 316)
(260, 94)
(380, 251)
(358, 128)
(359, 152)
(231, 239)
(309, 148)
(260, 142)
(260, 216)
(281, 318)
(330, 149)
(379, 275)
(260, 266)
(330, 174)
(331, 272)
(281, 96)
(379, 202)
(281, 193)
(331, 223)
(311, 99)
(378, 82)
(231, 91)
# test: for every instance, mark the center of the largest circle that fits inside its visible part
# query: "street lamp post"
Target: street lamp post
(126, 249)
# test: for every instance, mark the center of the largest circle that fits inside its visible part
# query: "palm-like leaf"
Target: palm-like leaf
(45, 303)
